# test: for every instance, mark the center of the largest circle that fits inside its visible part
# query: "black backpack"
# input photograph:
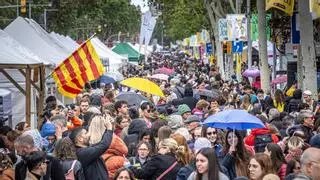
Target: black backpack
(261, 141)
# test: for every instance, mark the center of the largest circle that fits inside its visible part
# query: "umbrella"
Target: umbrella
(115, 75)
(144, 85)
(234, 119)
(160, 77)
(206, 92)
(164, 70)
(132, 98)
(280, 79)
(251, 73)
(107, 80)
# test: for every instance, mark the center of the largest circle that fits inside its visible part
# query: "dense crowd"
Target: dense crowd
(164, 138)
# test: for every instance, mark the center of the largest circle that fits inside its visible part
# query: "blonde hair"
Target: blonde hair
(295, 142)
(202, 104)
(170, 143)
(97, 128)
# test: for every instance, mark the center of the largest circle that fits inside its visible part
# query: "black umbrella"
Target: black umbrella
(132, 98)
(207, 93)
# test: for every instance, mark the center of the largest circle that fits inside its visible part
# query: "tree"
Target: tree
(263, 55)
(308, 58)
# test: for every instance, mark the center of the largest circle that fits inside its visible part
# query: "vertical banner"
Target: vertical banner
(255, 29)
(149, 30)
(209, 48)
(145, 20)
(222, 30)
(237, 27)
(238, 65)
(283, 5)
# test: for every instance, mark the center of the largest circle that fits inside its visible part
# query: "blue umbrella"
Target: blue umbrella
(234, 119)
(107, 80)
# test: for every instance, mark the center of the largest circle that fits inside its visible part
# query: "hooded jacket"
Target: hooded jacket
(114, 156)
(132, 139)
(249, 140)
(294, 103)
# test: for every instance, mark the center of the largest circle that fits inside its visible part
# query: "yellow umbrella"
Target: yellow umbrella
(144, 85)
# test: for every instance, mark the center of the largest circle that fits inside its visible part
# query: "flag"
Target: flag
(80, 67)
(283, 5)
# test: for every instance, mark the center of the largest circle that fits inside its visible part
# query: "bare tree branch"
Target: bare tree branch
(215, 9)
(231, 2)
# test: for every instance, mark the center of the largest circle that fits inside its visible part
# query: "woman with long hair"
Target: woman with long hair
(246, 103)
(215, 136)
(114, 157)
(164, 165)
(293, 169)
(259, 166)
(123, 174)
(279, 100)
(207, 166)
(277, 157)
(185, 156)
(236, 155)
(65, 151)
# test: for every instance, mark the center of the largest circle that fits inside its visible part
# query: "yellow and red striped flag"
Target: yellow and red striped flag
(80, 67)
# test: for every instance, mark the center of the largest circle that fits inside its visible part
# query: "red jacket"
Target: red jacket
(249, 140)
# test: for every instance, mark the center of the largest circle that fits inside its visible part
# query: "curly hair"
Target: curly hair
(65, 149)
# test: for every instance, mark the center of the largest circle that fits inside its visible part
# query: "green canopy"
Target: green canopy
(126, 49)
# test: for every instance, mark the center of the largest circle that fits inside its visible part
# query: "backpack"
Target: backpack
(70, 174)
(261, 141)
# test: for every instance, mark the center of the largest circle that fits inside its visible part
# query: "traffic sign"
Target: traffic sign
(237, 46)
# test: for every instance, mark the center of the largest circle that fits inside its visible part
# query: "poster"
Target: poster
(222, 29)
(237, 27)
(255, 28)
(147, 25)
(283, 5)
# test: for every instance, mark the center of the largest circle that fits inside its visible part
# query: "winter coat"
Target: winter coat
(308, 132)
(302, 177)
(294, 103)
(249, 140)
(54, 170)
(156, 166)
(185, 172)
(77, 169)
(282, 171)
(132, 138)
(90, 158)
(229, 163)
(7, 174)
(135, 161)
(114, 156)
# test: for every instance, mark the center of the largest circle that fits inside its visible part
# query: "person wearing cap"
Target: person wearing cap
(175, 122)
(184, 111)
(191, 123)
(306, 125)
(48, 132)
(307, 98)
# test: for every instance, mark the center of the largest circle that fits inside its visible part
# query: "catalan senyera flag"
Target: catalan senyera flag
(80, 67)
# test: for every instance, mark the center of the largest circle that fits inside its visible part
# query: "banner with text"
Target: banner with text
(237, 27)
(283, 5)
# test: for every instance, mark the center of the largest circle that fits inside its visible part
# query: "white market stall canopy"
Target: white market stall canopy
(30, 34)
(141, 49)
(115, 60)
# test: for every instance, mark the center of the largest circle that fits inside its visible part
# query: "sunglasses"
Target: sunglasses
(211, 133)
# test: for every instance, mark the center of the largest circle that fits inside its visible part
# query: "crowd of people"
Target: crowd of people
(164, 138)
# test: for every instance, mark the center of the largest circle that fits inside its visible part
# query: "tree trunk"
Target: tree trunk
(263, 56)
(309, 68)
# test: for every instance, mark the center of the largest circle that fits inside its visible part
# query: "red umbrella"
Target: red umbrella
(280, 79)
(164, 70)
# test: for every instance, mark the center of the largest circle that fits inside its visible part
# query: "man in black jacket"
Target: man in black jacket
(24, 145)
(90, 156)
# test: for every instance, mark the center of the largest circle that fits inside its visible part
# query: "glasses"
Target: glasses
(211, 133)
(143, 149)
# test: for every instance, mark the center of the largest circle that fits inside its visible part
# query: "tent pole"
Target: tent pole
(41, 95)
(28, 95)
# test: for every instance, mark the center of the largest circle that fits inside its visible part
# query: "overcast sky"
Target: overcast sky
(143, 5)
